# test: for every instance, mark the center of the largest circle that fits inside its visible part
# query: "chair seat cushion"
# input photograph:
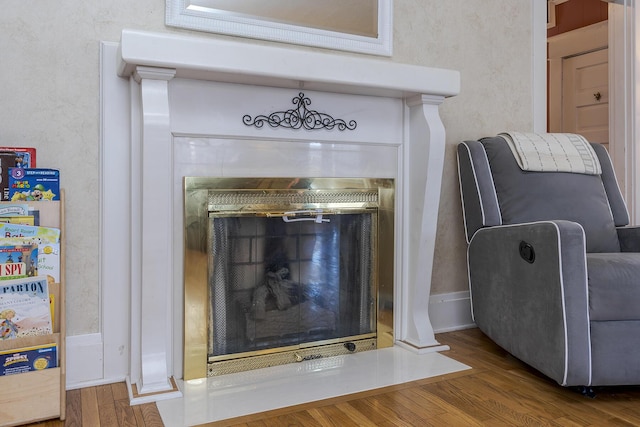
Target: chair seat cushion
(614, 286)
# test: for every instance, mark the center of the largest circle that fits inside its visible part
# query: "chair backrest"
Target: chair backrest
(495, 191)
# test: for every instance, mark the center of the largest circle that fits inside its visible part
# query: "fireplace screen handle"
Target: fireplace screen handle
(309, 215)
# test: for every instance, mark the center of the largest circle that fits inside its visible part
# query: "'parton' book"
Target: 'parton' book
(24, 308)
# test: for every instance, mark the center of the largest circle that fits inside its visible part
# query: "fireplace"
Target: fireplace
(209, 107)
(284, 270)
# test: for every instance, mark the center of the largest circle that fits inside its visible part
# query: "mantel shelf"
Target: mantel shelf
(241, 62)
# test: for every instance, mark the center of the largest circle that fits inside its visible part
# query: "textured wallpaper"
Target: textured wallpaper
(49, 86)
(489, 42)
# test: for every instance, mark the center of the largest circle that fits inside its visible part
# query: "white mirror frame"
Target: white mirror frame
(178, 14)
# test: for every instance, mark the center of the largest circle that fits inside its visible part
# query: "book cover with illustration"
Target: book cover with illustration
(16, 213)
(27, 359)
(25, 157)
(45, 213)
(18, 261)
(14, 157)
(48, 263)
(47, 240)
(25, 308)
(34, 184)
(26, 220)
(8, 160)
(36, 233)
(14, 209)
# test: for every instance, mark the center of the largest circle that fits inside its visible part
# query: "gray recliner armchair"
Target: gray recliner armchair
(554, 268)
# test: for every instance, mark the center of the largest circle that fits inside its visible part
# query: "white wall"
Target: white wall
(49, 86)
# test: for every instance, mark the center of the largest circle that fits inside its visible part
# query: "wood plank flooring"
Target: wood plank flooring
(498, 391)
(105, 406)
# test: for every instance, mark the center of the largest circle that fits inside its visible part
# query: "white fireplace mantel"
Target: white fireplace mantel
(185, 89)
(290, 67)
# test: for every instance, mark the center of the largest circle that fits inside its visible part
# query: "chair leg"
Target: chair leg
(585, 391)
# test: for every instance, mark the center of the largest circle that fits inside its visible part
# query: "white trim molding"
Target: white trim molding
(115, 265)
(539, 67)
(624, 100)
(451, 311)
(85, 354)
(551, 12)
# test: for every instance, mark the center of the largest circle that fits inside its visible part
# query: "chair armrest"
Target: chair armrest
(536, 309)
(629, 238)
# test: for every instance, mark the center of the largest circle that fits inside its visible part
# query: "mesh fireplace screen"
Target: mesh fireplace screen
(278, 270)
(275, 284)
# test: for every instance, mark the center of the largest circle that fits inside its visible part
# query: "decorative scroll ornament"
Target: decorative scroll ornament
(299, 117)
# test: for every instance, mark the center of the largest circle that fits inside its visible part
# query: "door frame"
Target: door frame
(624, 101)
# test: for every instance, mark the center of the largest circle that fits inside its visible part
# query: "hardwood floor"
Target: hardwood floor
(499, 390)
(105, 406)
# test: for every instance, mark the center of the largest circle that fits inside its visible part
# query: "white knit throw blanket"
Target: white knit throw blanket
(553, 152)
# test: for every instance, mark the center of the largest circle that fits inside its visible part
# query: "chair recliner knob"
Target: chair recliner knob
(527, 252)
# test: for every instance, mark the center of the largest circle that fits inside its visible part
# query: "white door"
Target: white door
(585, 96)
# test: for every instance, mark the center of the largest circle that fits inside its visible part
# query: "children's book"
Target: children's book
(25, 308)
(52, 307)
(47, 240)
(49, 261)
(48, 254)
(18, 213)
(26, 220)
(14, 209)
(35, 358)
(18, 261)
(36, 233)
(8, 160)
(25, 157)
(14, 157)
(34, 184)
(35, 214)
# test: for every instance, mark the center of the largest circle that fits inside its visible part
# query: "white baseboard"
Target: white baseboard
(450, 312)
(84, 361)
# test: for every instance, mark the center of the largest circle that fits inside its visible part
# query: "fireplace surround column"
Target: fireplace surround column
(424, 156)
(153, 158)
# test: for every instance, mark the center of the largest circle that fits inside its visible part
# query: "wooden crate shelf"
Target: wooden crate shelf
(40, 395)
